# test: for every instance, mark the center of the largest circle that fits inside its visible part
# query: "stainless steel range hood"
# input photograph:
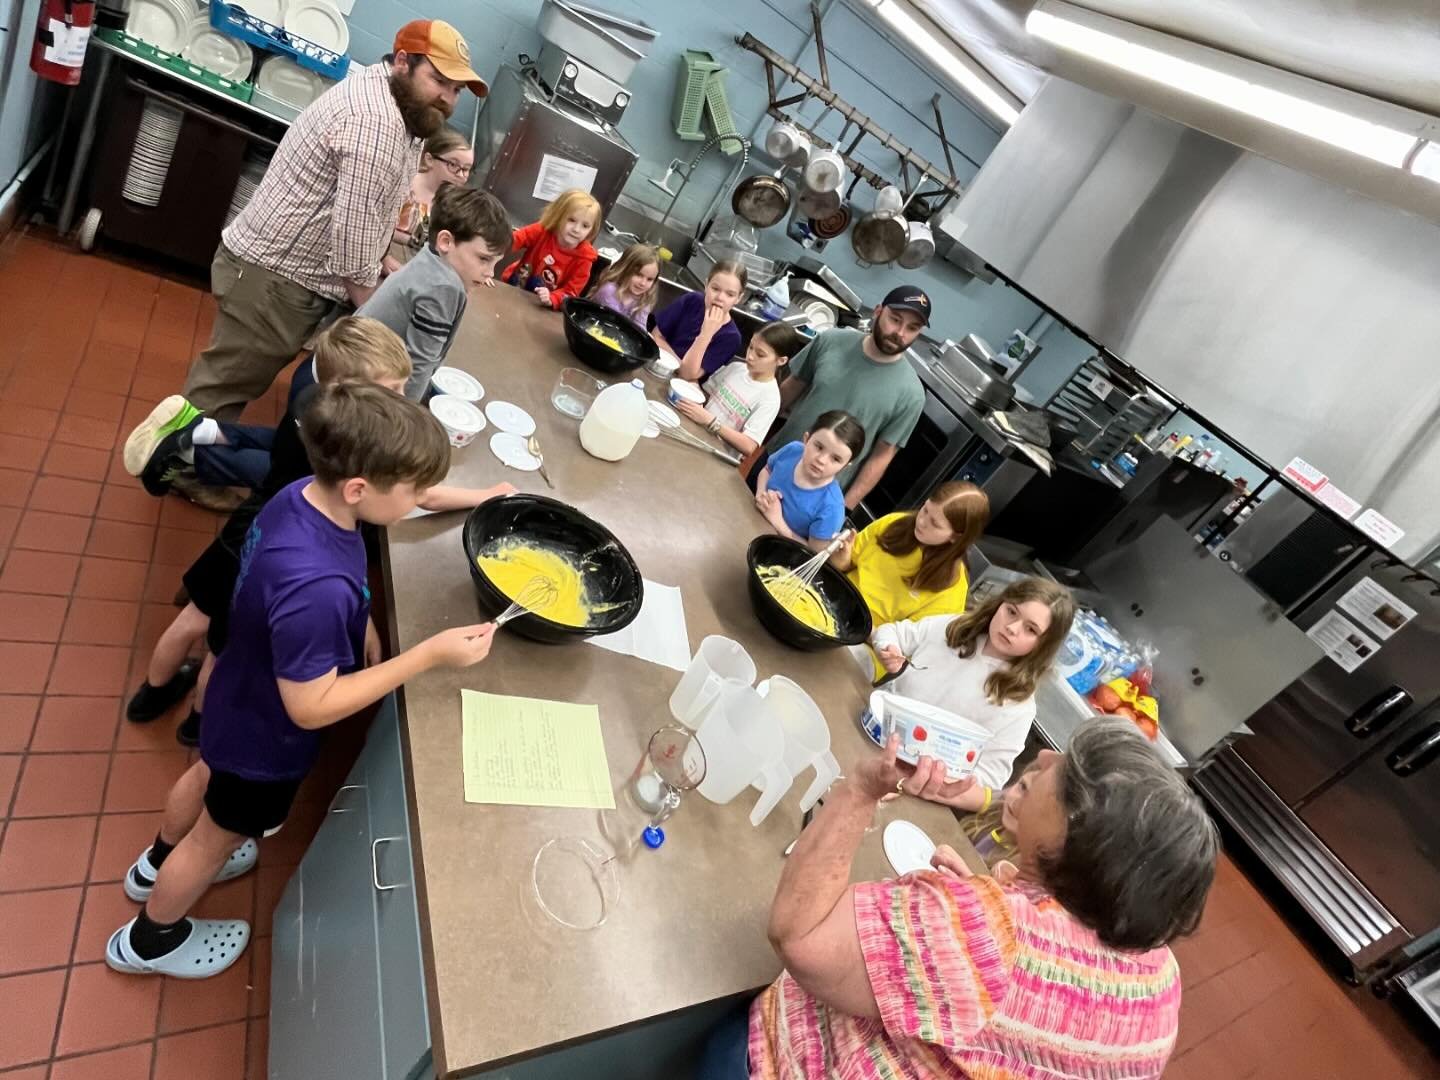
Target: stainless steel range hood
(1299, 318)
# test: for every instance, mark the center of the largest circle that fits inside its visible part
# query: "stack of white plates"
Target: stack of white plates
(217, 53)
(162, 23)
(283, 79)
(150, 157)
(251, 173)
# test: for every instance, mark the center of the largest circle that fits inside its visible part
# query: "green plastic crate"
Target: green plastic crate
(717, 107)
(240, 91)
(696, 69)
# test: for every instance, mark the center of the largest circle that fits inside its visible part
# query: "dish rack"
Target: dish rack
(238, 23)
(762, 272)
(240, 91)
(1107, 408)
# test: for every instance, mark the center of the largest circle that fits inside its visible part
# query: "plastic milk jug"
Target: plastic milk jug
(616, 420)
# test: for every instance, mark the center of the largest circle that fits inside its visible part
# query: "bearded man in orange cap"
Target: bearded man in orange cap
(312, 237)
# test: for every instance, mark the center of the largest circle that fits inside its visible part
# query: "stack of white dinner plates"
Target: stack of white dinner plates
(150, 157)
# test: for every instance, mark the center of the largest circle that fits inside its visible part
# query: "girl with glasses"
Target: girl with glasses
(446, 159)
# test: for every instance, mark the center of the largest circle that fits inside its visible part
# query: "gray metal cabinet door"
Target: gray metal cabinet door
(325, 992)
(402, 984)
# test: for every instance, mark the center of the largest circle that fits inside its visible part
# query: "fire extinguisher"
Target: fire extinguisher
(60, 39)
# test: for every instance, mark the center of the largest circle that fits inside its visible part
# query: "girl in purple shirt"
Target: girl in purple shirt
(630, 285)
(698, 328)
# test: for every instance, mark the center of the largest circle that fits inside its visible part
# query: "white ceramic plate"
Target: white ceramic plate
(270, 11)
(217, 53)
(512, 451)
(511, 418)
(159, 23)
(287, 81)
(907, 847)
(318, 22)
(457, 383)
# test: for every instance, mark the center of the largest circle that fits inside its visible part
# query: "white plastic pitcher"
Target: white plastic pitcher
(615, 421)
(743, 746)
(807, 735)
(717, 662)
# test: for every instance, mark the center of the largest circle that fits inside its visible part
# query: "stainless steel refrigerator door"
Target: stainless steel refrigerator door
(1383, 821)
(1225, 650)
(1303, 737)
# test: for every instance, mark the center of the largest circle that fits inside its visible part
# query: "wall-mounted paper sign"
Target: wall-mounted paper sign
(1376, 608)
(1342, 640)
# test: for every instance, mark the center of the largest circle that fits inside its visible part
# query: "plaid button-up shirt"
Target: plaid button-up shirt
(326, 208)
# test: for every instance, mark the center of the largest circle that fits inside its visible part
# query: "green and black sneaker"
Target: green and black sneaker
(155, 450)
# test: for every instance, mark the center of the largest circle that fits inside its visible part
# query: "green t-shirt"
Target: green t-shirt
(886, 398)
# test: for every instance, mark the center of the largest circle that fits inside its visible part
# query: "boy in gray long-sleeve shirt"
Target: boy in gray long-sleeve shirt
(422, 303)
(424, 300)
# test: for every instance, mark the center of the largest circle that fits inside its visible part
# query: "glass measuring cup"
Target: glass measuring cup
(673, 763)
(574, 391)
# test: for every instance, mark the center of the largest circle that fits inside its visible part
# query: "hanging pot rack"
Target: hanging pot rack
(945, 183)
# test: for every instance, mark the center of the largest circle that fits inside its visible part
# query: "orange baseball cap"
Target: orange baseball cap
(443, 46)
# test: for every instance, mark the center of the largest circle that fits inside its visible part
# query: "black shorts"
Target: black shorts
(210, 580)
(248, 807)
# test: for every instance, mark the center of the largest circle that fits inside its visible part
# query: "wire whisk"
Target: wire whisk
(791, 586)
(537, 595)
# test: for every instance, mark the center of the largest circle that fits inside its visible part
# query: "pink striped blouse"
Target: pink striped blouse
(976, 981)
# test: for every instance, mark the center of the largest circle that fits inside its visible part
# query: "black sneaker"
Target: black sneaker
(152, 701)
(168, 460)
(188, 733)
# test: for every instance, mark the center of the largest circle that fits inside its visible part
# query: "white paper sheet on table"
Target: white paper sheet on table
(658, 633)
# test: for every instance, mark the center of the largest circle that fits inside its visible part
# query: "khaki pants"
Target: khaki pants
(262, 322)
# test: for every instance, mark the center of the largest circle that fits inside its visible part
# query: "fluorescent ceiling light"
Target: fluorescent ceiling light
(946, 60)
(1375, 141)
(1426, 161)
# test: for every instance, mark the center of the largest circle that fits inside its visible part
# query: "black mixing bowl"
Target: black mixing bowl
(612, 580)
(852, 617)
(636, 346)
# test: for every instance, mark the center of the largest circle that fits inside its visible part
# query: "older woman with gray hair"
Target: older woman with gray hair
(1057, 967)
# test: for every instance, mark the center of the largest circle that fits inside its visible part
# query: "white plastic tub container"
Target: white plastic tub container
(928, 731)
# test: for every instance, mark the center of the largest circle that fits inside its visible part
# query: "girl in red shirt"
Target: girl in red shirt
(555, 255)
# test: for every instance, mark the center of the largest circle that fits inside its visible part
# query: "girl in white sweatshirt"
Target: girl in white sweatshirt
(983, 666)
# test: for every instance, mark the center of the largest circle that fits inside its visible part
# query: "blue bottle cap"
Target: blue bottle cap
(653, 836)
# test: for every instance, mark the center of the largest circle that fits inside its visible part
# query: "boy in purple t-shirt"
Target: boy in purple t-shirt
(298, 659)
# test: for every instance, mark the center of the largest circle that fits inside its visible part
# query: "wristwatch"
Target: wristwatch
(714, 426)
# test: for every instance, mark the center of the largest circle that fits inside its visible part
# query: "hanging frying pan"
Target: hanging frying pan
(881, 235)
(762, 200)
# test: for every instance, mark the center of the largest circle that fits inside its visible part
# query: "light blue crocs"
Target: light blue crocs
(140, 878)
(213, 945)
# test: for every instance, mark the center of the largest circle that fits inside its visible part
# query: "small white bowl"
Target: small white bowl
(684, 390)
(462, 420)
(664, 366)
(456, 383)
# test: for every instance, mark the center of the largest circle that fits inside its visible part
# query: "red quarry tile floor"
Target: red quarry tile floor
(90, 564)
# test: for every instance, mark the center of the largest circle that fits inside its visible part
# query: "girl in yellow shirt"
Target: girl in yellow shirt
(910, 565)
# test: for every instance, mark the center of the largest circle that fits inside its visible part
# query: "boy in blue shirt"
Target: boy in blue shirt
(296, 661)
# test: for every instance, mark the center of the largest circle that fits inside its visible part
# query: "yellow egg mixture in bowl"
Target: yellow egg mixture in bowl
(827, 613)
(511, 541)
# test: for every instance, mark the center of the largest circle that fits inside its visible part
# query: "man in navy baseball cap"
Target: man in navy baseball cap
(909, 298)
(865, 375)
